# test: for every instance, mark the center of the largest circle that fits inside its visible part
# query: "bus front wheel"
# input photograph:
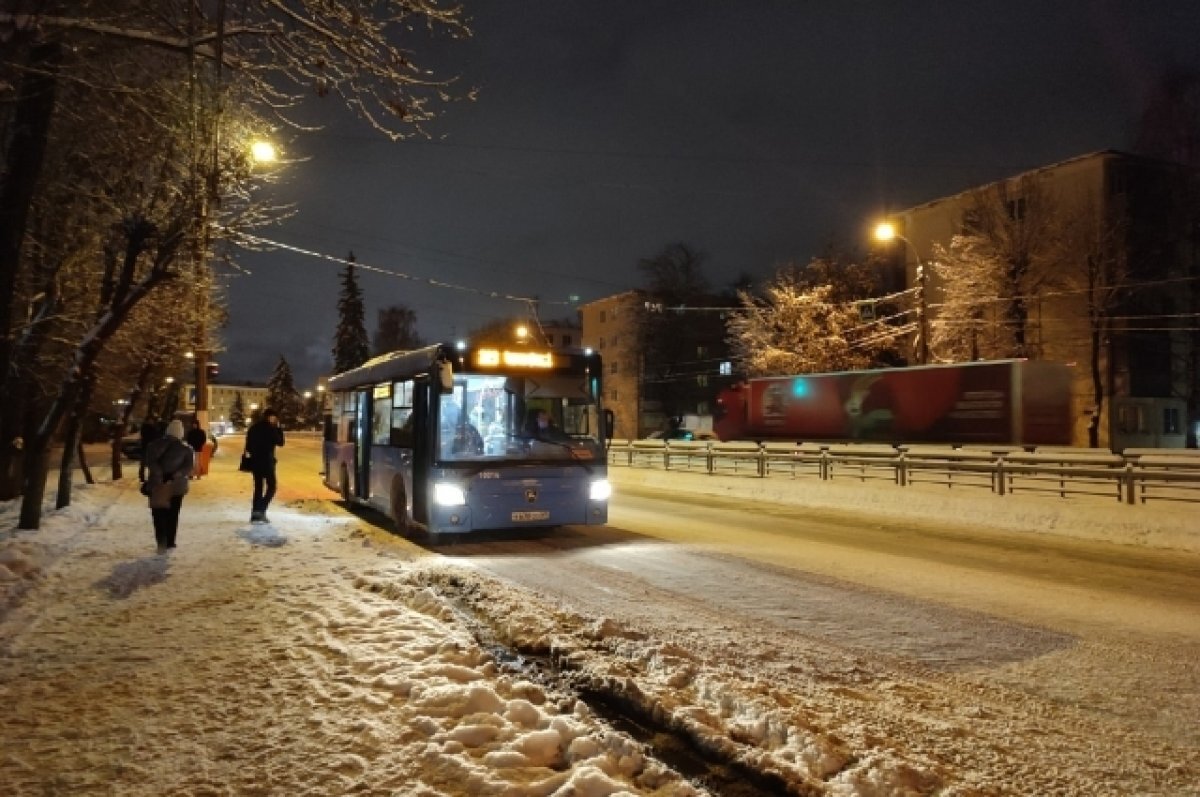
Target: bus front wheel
(344, 484)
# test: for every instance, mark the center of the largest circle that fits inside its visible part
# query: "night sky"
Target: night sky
(756, 131)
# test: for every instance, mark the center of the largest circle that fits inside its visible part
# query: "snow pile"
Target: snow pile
(486, 731)
(282, 659)
(733, 714)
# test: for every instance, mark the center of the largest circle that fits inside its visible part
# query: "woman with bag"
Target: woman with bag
(169, 463)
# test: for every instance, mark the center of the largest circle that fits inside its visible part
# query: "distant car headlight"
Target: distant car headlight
(600, 490)
(446, 494)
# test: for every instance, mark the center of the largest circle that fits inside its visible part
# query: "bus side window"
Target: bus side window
(402, 434)
(402, 414)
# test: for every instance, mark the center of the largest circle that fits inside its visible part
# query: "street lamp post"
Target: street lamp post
(885, 231)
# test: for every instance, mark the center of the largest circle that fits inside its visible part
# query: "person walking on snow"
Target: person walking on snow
(262, 438)
(169, 463)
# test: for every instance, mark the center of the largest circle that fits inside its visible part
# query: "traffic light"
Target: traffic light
(211, 370)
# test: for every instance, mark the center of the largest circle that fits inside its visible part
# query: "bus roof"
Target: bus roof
(404, 364)
(388, 366)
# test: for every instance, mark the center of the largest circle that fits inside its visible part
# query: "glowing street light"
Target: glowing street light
(885, 231)
(263, 151)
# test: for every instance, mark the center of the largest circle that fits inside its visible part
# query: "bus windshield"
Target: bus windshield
(518, 418)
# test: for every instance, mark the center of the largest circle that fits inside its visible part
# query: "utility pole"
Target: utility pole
(922, 311)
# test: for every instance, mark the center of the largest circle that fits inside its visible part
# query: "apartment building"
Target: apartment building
(1145, 218)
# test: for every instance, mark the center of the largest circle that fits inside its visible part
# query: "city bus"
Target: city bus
(443, 439)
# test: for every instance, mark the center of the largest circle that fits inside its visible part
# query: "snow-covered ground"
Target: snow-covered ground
(320, 655)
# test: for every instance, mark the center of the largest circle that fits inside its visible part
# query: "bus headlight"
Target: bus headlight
(447, 494)
(600, 490)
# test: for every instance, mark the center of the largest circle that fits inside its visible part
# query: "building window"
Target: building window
(701, 380)
(1172, 422)
(601, 346)
(612, 395)
(726, 368)
(566, 341)
(603, 316)
(612, 368)
(1016, 209)
(701, 352)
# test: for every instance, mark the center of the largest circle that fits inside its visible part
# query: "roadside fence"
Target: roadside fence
(1134, 476)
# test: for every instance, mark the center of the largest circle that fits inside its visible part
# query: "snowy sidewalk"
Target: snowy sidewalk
(290, 659)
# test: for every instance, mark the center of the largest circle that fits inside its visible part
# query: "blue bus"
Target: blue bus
(446, 439)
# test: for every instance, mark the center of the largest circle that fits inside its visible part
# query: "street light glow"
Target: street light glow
(885, 231)
(262, 151)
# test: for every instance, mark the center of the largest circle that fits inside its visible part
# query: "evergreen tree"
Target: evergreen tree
(282, 395)
(351, 347)
(237, 413)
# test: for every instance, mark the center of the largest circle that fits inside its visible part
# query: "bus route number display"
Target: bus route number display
(490, 358)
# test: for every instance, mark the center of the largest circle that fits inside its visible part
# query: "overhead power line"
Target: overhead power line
(430, 281)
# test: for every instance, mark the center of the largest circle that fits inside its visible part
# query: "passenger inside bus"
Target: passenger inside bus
(459, 436)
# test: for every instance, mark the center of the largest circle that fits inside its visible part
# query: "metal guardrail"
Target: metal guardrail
(1134, 477)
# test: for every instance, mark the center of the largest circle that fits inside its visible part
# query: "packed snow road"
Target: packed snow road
(834, 653)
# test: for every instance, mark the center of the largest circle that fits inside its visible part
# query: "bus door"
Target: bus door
(422, 448)
(362, 445)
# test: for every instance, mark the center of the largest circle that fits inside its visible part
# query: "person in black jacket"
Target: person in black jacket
(262, 438)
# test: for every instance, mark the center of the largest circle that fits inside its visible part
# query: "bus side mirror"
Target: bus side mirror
(446, 377)
(609, 422)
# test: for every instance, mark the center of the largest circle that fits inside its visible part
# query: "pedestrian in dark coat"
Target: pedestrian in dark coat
(169, 463)
(262, 438)
(148, 433)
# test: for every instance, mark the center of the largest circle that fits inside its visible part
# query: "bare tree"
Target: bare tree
(396, 330)
(795, 329)
(994, 273)
(1096, 264)
(125, 61)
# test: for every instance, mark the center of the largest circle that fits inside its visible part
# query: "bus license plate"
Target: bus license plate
(530, 515)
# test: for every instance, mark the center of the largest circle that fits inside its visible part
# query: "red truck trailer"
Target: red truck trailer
(1017, 402)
